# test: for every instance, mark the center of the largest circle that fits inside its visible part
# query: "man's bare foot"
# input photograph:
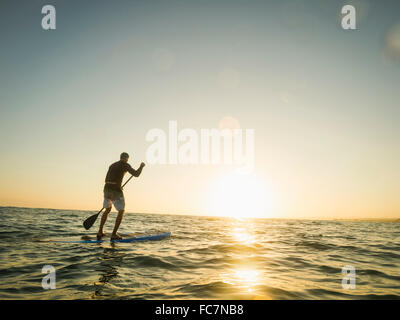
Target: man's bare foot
(116, 237)
(100, 235)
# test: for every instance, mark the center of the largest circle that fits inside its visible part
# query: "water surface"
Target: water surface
(205, 258)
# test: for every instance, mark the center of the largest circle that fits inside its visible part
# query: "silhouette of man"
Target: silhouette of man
(113, 192)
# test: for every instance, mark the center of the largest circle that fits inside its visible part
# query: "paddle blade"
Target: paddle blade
(91, 220)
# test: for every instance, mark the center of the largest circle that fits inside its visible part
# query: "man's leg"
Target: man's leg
(103, 221)
(117, 223)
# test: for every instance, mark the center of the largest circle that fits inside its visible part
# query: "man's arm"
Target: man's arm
(136, 173)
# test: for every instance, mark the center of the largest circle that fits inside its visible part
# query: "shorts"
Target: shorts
(114, 197)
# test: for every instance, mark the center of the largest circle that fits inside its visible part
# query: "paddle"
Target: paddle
(92, 219)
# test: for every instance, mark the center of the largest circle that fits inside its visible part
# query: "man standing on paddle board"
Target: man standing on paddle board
(113, 192)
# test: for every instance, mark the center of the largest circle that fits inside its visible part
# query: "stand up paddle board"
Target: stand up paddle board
(152, 237)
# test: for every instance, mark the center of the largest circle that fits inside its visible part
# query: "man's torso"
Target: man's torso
(115, 175)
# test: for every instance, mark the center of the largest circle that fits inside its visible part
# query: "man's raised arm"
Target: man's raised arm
(136, 173)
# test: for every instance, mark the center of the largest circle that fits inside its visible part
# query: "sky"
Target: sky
(323, 103)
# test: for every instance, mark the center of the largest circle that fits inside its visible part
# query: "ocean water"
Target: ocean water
(205, 258)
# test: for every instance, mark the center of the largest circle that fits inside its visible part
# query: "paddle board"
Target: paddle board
(152, 237)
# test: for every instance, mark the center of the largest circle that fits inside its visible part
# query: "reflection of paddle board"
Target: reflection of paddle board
(152, 237)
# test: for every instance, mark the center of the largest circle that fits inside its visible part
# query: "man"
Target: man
(113, 192)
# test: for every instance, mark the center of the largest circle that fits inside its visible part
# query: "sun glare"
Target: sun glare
(239, 195)
(243, 278)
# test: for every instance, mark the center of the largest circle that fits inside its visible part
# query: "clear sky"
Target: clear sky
(323, 101)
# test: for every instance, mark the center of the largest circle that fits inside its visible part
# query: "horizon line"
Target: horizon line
(397, 219)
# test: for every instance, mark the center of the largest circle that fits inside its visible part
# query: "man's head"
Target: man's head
(124, 156)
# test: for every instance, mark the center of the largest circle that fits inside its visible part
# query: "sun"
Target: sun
(239, 195)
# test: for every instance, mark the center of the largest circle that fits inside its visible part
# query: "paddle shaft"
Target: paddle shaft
(126, 182)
